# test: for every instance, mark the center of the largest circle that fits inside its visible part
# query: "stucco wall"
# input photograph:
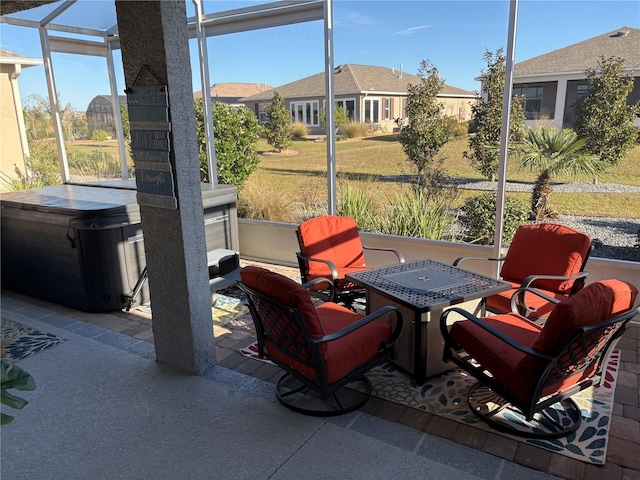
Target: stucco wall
(11, 154)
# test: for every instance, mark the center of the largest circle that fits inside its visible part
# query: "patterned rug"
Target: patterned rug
(445, 396)
(228, 304)
(20, 341)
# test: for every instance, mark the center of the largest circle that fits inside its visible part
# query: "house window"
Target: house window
(532, 99)
(306, 112)
(349, 107)
(371, 110)
(386, 108)
(581, 91)
(262, 113)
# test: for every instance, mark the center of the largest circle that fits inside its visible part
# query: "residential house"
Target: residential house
(231, 93)
(368, 94)
(100, 114)
(553, 82)
(15, 147)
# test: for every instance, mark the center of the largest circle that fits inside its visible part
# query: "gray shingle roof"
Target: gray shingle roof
(352, 79)
(586, 54)
(234, 89)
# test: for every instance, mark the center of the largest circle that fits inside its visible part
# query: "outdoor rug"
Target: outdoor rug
(20, 341)
(445, 396)
(228, 305)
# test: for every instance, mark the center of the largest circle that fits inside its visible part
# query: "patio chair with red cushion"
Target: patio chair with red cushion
(527, 372)
(546, 256)
(330, 247)
(321, 349)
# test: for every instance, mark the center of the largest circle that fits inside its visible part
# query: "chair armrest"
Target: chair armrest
(397, 252)
(532, 278)
(459, 260)
(493, 331)
(329, 263)
(316, 281)
(365, 320)
(518, 300)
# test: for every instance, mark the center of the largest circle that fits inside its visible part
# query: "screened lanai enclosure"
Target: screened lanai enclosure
(158, 53)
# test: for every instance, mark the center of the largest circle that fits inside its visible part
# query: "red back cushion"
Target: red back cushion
(331, 237)
(285, 291)
(593, 304)
(546, 249)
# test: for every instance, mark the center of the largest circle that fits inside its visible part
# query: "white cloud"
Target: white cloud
(412, 30)
(354, 18)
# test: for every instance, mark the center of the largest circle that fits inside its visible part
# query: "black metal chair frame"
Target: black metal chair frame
(586, 346)
(520, 305)
(284, 329)
(337, 294)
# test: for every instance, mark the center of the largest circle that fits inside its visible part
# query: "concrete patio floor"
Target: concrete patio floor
(105, 409)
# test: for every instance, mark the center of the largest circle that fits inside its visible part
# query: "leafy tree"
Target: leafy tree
(426, 129)
(550, 152)
(487, 116)
(126, 124)
(235, 136)
(276, 128)
(604, 118)
(37, 117)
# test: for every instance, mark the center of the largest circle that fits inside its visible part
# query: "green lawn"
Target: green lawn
(379, 163)
(381, 160)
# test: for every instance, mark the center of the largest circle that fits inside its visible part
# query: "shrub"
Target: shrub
(264, 201)
(411, 215)
(358, 203)
(355, 130)
(236, 135)
(462, 129)
(451, 127)
(93, 166)
(299, 130)
(43, 168)
(478, 214)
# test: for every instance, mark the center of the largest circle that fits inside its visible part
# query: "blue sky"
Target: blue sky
(452, 35)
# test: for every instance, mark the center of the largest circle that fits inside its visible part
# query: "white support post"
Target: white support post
(53, 101)
(115, 101)
(330, 107)
(504, 133)
(212, 166)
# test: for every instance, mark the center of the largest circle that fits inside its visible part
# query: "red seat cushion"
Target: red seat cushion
(515, 370)
(593, 304)
(343, 355)
(333, 238)
(285, 291)
(546, 249)
(340, 356)
(496, 356)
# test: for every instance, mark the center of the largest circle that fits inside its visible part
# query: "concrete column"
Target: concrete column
(153, 35)
(561, 100)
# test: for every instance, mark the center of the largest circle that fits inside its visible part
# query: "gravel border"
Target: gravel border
(618, 235)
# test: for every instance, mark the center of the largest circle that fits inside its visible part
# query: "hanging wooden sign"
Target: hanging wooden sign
(151, 145)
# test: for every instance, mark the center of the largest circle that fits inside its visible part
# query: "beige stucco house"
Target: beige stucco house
(13, 136)
(553, 82)
(368, 94)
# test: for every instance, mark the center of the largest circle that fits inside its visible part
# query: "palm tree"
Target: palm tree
(550, 152)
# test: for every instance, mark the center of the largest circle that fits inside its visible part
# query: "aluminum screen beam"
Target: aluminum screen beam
(504, 132)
